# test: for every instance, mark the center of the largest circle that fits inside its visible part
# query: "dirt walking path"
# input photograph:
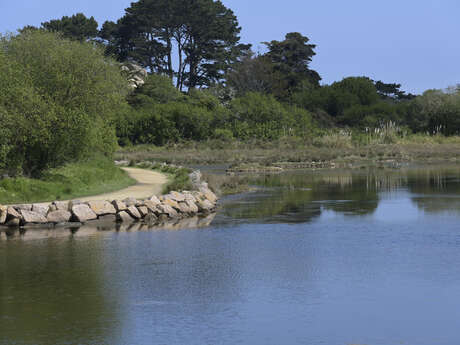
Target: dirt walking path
(149, 183)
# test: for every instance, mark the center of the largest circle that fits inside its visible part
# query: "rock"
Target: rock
(131, 201)
(40, 209)
(189, 197)
(124, 217)
(59, 216)
(3, 214)
(64, 205)
(151, 219)
(33, 217)
(119, 205)
(205, 205)
(155, 199)
(184, 208)
(168, 210)
(208, 194)
(176, 196)
(143, 210)
(74, 203)
(102, 207)
(151, 205)
(198, 195)
(82, 213)
(171, 203)
(26, 207)
(192, 205)
(133, 212)
(12, 213)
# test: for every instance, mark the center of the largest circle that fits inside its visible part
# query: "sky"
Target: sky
(412, 42)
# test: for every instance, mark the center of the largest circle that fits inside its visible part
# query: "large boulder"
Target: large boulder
(59, 216)
(12, 213)
(168, 210)
(155, 200)
(26, 207)
(13, 217)
(119, 205)
(33, 217)
(3, 214)
(151, 205)
(102, 208)
(205, 205)
(172, 203)
(61, 205)
(82, 213)
(176, 196)
(124, 217)
(192, 206)
(134, 212)
(208, 194)
(40, 209)
(131, 202)
(143, 210)
(189, 197)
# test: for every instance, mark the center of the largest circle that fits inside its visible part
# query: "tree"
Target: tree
(201, 34)
(77, 27)
(291, 58)
(254, 73)
(59, 100)
(392, 91)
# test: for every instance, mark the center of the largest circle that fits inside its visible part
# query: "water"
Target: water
(340, 257)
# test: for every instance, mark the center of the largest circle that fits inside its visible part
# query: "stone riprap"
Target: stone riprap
(175, 205)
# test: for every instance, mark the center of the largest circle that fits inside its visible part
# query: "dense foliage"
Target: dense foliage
(63, 97)
(59, 100)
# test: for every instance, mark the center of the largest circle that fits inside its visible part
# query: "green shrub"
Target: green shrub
(59, 101)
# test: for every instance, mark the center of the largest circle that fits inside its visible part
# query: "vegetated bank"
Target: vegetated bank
(156, 210)
(67, 93)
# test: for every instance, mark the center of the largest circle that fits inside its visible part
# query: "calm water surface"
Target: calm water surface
(340, 257)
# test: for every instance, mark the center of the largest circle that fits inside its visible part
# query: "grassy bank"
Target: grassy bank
(91, 177)
(339, 148)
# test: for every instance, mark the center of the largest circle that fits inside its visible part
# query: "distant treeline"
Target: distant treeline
(63, 96)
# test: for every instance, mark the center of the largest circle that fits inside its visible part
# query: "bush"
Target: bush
(59, 101)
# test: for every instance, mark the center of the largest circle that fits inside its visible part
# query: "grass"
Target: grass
(92, 177)
(339, 148)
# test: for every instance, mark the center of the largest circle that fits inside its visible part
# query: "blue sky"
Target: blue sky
(415, 43)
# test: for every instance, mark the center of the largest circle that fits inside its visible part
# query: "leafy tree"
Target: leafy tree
(59, 100)
(77, 27)
(261, 116)
(435, 112)
(291, 58)
(254, 73)
(203, 34)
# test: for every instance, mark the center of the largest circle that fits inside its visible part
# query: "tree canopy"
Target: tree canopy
(193, 41)
(77, 27)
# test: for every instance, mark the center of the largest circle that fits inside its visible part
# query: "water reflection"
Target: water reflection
(302, 196)
(42, 282)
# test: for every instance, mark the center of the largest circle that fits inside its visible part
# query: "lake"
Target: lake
(369, 257)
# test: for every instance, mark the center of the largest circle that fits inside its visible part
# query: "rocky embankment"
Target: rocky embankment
(154, 210)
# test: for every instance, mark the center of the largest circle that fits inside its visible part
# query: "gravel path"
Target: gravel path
(149, 183)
